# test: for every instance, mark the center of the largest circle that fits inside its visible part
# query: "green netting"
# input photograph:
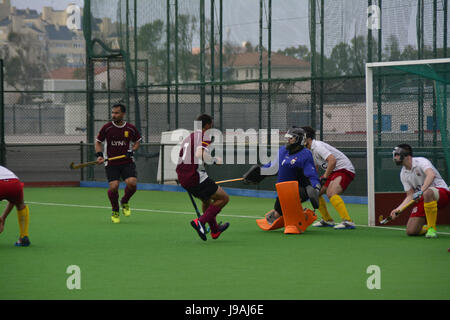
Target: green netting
(411, 106)
(272, 64)
(440, 73)
(442, 113)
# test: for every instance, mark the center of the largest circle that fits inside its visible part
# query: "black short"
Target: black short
(123, 171)
(204, 190)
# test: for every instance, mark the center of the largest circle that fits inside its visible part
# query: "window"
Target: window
(430, 124)
(386, 122)
(403, 127)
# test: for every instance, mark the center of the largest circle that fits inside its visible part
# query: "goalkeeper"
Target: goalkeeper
(294, 163)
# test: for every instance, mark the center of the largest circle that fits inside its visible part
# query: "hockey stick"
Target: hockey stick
(389, 218)
(229, 180)
(196, 208)
(91, 163)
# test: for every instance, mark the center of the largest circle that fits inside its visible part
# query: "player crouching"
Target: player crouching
(422, 183)
(295, 169)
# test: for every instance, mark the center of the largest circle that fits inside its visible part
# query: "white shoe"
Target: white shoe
(345, 224)
(323, 223)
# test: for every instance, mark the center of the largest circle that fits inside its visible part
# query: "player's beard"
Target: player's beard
(117, 122)
(294, 147)
(398, 162)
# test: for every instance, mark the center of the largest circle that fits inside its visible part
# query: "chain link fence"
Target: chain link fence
(256, 64)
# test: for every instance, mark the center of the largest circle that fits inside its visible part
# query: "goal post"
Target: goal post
(406, 102)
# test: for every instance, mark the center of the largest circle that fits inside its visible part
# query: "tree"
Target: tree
(152, 39)
(59, 61)
(392, 49)
(79, 73)
(300, 52)
(24, 62)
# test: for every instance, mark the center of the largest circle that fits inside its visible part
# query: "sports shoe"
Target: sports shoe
(115, 218)
(324, 223)
(431, 233)
(126, 209)
(200, 228)
(271, 216)
(222, 228)
(345, 224)
(23, 242)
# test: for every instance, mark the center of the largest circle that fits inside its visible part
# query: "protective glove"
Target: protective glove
(417, 195)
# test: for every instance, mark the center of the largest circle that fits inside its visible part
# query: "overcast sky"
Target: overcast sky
(38, 4)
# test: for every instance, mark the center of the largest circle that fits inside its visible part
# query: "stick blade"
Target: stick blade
(82, 165)
(385, 220)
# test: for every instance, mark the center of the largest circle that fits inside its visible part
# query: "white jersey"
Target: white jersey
(414, 178)
(6, 174)
(321, 151)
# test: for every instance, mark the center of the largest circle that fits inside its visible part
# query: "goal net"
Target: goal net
(407, 102)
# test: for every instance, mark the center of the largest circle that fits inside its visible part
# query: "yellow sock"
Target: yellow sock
(340, 207)
(323, 209)
(431, 213)
(24, 220)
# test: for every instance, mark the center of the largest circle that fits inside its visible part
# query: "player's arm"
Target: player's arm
(309, 170)
(134, 148)
(408, 198)
(429, 177)
(98, 152)
(202, 153)
(136, 145)
(313, 190)
(331, 160)
(5, 214)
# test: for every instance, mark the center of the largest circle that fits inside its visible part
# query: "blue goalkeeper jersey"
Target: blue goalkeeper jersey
(296, 166)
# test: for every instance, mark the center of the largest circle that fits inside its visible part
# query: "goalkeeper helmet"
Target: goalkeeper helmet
(299, 135)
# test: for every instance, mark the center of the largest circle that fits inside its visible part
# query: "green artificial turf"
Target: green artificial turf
(155, 253)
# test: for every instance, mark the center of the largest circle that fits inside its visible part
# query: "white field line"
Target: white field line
(186, 213)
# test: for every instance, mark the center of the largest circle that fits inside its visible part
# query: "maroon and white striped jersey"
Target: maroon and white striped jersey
(190, 169)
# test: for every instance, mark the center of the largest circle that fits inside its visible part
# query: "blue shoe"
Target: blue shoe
(23, 242)
(222, 228)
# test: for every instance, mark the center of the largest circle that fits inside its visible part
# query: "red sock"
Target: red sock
(114, 199)
(128, 194)
(209, 216)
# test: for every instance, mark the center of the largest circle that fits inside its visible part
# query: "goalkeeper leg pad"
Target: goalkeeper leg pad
(294, 216)
(266, 226)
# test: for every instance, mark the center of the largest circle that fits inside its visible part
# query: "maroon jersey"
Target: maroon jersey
(189, 170)
(118, 140)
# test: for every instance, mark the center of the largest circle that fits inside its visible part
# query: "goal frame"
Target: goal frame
(369, 124)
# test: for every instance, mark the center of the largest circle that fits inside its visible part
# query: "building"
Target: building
(50, 29)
